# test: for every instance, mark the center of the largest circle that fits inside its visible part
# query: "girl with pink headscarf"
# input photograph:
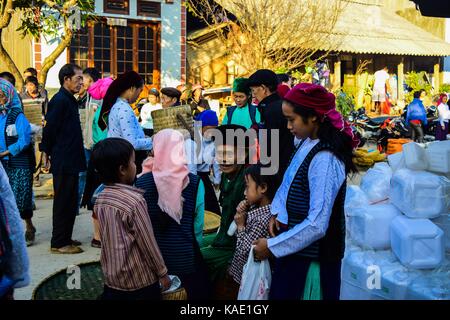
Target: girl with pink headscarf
(176, 204)
(308, 226)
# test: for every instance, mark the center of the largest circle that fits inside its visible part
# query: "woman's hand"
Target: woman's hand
(443, 127)
(274, 226)
(165, 282)
(261, 251)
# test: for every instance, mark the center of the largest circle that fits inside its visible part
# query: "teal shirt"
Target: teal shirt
(199, 219)
(97, 133)
(241, 116)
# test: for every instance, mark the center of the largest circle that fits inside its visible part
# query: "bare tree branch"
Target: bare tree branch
(271, 34)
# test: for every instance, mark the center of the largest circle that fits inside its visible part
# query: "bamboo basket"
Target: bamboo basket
(173, 118)
(54, 287)
(212, 222)
(179, 294)
(33, 113)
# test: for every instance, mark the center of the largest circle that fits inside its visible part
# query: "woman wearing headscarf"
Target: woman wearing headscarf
(17, 153)
(176, 205)
(308, 226)
(243, 113)
(14, 264)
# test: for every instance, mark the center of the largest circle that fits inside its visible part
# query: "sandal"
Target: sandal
(30, 236)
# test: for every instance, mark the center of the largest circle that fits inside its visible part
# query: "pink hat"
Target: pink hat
(98, 89)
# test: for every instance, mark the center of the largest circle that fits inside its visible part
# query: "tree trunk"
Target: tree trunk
(4, 55)
(10, 65)
(50, 61)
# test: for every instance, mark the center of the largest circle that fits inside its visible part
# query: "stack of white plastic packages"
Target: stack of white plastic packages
(398, 228)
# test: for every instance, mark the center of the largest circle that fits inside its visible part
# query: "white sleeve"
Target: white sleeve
(146, 113)
(217, 172)
(191, 148)
(326, 175)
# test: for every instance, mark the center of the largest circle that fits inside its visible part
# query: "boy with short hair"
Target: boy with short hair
(130, 257)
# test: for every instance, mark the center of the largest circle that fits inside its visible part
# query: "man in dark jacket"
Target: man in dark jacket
(263, 84)
(62, 144)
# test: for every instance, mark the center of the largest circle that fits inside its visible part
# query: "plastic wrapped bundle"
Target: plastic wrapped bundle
(431, 287)
(438, 155)
(376, 182)
(420, 194)
(443, 222)
(415, 156)
(397, 161)
(417, 243)
(369, 226)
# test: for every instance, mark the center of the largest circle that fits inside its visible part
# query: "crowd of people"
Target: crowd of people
(148, 200)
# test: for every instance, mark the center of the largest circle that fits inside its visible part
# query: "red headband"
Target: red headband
(324, 104)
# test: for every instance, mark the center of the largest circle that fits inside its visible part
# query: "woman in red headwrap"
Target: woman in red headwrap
(308, 226)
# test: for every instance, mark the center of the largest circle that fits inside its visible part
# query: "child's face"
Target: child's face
(227, 157)
(253, 192)
(207, 133)
(152, 99)
(128, 174)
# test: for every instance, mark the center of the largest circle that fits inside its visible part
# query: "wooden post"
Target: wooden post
(400, 80)
(337, 74)
(436, 78)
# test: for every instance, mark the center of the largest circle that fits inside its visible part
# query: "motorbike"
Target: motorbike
(368, 128)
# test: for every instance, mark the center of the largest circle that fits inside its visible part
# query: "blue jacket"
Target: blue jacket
(416, 111)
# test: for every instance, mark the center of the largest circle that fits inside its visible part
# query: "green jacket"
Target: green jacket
(231, 194)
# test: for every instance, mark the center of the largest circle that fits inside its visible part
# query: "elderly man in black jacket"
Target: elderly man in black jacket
(62, 144)
(263, 84)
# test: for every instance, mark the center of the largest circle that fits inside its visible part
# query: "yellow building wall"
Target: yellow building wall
(19, 49)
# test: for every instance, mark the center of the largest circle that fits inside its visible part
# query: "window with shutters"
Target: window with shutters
(113, 50)
(117, 6)
(149, 8)
(79, 49)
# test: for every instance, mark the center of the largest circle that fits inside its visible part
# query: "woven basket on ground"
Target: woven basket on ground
(54, 287)
(173, 118)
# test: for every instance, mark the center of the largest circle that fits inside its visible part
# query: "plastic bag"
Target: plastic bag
(354, 198)
(415, 156)
(256, 279)
(175, 284)
(397, 161)
(376, 182)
